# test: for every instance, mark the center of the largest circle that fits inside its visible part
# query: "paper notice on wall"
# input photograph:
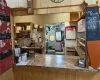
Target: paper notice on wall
(35, 35)
(70, 32)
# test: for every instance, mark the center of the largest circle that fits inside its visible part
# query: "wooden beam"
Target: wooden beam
(23, 11)
(59, 10)
(50, 10)
(57, 6)
(17, 9)
(49, 4)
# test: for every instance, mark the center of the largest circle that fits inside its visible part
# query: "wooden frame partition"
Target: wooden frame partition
(41, 73)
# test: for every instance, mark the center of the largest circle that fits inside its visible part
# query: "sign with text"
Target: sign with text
(92, 23)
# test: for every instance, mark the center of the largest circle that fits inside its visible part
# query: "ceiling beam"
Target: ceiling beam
(68, 9)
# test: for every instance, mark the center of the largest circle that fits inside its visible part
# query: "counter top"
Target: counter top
(32, 47)
(56, 61)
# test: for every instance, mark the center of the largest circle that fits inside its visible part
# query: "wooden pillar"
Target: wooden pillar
(12, 28)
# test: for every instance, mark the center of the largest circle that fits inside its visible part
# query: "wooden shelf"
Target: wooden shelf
(80, 52)
(82, 32)
(82, 39)
(82, 44)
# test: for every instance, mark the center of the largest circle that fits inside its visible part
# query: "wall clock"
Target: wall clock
(57, 1)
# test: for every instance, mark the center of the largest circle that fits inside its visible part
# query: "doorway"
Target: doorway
(54, 35)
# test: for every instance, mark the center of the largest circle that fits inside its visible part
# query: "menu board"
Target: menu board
(92, 23)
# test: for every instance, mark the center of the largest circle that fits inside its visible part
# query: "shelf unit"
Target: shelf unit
(81, 43)
(82, 38)
(23, 32)
(81, 35)
(90, 45)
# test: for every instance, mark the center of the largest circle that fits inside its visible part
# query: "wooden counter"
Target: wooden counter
(40, 73)
(55, 61)
(53, 67)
